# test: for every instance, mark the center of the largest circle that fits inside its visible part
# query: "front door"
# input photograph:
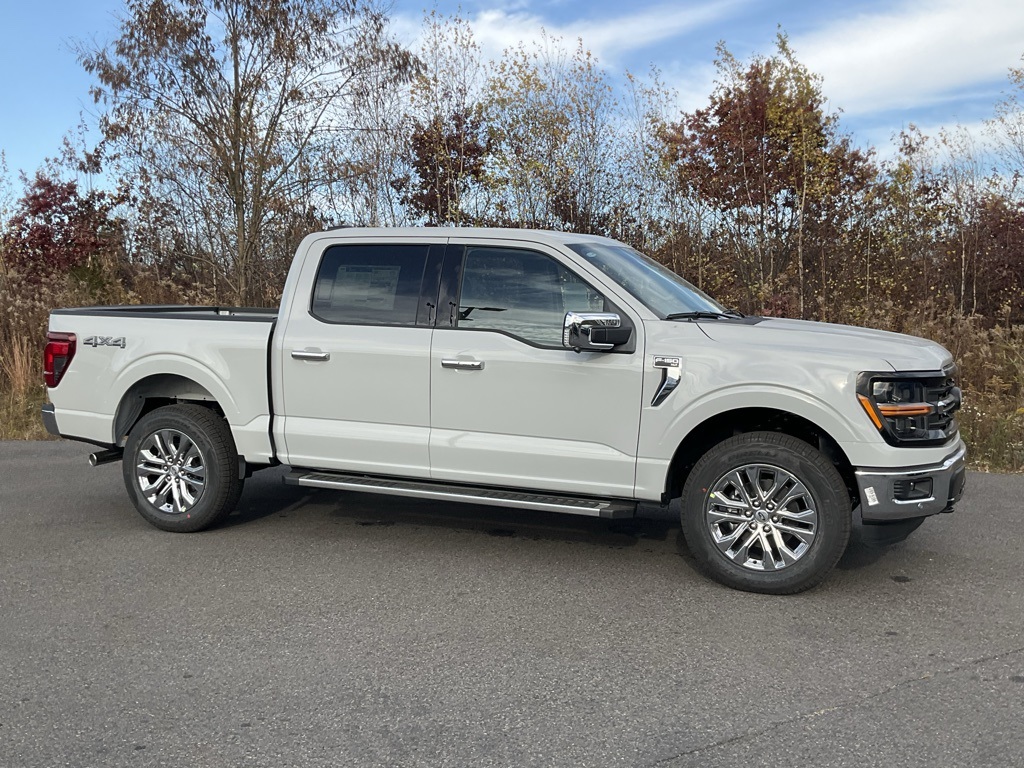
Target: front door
(509, 406)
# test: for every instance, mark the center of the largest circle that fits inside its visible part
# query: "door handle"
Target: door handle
(463, 365)
(305, 354)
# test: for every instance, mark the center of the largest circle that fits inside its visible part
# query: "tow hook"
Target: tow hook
(105, 457)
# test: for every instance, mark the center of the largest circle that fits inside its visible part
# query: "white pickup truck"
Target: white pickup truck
(527, 369)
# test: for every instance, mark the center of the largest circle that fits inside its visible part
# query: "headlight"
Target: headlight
(911, 408)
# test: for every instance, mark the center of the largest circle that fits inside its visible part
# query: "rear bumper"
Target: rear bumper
(50, 419)
(49, 415)
(899, 494)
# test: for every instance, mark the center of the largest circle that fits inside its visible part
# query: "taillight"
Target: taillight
(60, 348)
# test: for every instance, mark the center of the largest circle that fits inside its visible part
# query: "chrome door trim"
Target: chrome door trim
(305, 354)
(463, 365)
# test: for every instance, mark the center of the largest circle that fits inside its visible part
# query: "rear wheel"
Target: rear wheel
(181, 468)
(766, 512)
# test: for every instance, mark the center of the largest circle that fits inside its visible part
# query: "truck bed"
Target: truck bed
(128, 353)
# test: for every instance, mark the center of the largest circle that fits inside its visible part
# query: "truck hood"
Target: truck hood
(900, 351)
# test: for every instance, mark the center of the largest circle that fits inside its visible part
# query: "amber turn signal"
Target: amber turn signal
(870, 410)
(909, 409)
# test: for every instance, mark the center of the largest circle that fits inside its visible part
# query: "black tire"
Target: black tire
(203, 465)
(814, 527)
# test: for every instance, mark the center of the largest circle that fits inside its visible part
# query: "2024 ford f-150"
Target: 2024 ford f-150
(527, 369)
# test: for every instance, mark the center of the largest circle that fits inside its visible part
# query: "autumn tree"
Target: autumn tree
(641, 199)
(552, 117)
(768, 158)
(449, 140)
(6, 206)
(231, 111)
(54, 229)
(1001, 285)
(378, 148)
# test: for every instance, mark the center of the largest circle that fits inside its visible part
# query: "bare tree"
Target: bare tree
(232, 110)
(552, 117)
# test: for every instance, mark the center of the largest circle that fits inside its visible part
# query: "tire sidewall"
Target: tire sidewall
(209, 508)
(812, 469)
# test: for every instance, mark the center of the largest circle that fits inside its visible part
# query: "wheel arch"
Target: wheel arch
(726, 424)
(154, 391)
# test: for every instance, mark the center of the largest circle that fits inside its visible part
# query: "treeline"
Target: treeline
(231, 128)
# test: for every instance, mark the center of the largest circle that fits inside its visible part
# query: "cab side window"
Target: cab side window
(522, 293)
(369, 284)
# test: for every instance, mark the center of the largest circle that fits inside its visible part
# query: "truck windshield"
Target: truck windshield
(658, 288)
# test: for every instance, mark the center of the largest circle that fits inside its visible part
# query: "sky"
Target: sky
(885, 65)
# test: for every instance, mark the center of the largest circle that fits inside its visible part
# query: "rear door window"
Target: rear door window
(370, 284)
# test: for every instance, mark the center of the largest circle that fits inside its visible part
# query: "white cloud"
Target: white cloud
(609, 39)
(920, 53)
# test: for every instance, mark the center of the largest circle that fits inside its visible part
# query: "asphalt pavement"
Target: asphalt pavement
(317, 628)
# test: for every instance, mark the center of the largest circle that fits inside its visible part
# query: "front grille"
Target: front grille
(945, 398)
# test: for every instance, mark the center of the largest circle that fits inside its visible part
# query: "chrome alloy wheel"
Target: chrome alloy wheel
(170, 471)
(761, 517)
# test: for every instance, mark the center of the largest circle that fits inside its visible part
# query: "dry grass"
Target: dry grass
(19, 416)
(20, 363)
(21, 390)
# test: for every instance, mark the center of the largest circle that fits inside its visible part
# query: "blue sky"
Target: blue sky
(885, 64)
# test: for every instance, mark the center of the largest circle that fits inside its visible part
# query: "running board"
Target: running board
(495, 497)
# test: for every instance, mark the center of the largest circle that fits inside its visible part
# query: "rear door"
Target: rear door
(509, 405)
(355, 360)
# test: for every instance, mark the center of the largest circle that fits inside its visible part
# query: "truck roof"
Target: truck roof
(498, 233)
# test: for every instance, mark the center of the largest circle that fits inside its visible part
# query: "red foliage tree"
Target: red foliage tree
(55, 228)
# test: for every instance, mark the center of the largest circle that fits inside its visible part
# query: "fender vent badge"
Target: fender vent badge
(672, 373)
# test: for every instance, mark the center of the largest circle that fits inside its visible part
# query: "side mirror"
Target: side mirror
(593, 331)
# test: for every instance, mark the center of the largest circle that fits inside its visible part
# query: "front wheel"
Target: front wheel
(181, 468)
(766, 512)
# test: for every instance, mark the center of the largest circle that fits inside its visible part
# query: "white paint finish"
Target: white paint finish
(881, 455)
(356, 446)
(367, 408)
(807, 342)
(547, 419)
(808, 369)
(651, 476)
(251, 440)
(226, 357)
(84, 424)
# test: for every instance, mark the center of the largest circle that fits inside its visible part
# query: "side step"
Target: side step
(496, 497)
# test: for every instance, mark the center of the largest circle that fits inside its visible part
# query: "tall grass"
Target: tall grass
(21, 390)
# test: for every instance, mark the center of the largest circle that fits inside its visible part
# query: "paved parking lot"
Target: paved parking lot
(327, 629)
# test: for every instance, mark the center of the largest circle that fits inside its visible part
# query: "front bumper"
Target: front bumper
(899, 494)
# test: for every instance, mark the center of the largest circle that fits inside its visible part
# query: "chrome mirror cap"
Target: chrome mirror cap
(579, 327)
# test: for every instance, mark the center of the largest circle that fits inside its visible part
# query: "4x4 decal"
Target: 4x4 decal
(104, 341)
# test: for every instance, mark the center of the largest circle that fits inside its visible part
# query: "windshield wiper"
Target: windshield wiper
(704, 315)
